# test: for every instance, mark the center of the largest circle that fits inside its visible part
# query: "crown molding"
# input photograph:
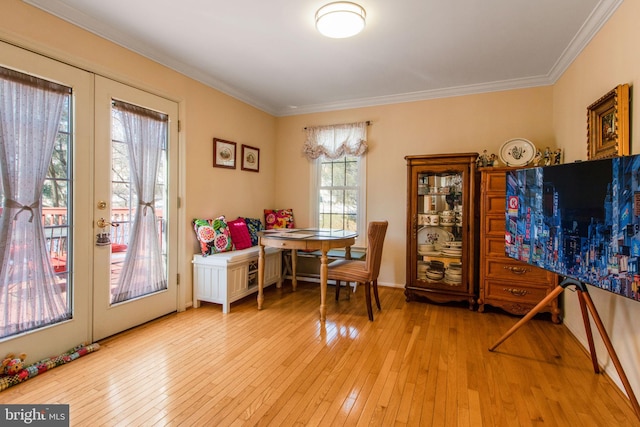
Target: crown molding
(600, 15)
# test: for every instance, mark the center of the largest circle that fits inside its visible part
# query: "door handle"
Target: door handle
(102, 223)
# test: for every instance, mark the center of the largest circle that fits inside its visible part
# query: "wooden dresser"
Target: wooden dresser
(511, 285)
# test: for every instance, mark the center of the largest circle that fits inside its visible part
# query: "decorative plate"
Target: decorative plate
(434, 235)
(517, 152)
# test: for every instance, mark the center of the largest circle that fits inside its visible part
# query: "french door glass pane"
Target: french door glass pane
(25, 290)
(124, 200)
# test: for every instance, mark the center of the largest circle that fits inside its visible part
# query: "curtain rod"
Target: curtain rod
(368, 122)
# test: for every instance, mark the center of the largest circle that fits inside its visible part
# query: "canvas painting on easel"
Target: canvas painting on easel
(579, 220)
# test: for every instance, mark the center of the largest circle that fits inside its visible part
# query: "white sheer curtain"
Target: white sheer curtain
(30, 114)
(335, 141)
(143, 269)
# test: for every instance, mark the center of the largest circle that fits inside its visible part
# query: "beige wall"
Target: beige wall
(553, 116)
(204, 112)
(451, 125)
(612, 58)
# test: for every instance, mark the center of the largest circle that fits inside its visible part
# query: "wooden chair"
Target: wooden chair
(363, 272)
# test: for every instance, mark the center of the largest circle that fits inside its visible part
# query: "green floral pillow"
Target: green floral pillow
(213, 235)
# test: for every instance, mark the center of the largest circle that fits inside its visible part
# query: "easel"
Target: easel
(585, 302)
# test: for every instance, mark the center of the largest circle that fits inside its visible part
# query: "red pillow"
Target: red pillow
(239, 233)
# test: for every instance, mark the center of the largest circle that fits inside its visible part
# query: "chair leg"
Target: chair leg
(337, 289)
(367, 292)
(375, 293)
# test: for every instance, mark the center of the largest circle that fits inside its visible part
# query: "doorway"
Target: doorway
(93, 190)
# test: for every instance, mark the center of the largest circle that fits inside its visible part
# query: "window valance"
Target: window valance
(335, 141)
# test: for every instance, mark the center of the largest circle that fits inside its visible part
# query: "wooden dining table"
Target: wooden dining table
(308, 239)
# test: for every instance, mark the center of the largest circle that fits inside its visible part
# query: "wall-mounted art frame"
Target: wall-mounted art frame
(224, 154)
(250, 159)
(608, 125)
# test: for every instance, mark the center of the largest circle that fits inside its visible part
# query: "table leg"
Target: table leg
(260, 275)
(294, 269)
(323, 285)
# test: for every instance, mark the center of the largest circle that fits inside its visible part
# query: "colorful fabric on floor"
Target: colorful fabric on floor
(46, 364)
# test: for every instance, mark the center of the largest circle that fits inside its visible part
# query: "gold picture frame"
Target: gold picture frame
(608, 125)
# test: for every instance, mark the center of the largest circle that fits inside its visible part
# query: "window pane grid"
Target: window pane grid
(338, 194)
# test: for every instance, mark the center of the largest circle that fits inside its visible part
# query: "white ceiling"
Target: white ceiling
(268, 53)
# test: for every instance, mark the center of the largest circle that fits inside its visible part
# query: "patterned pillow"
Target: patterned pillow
(213, 235)
(254, 225)
(278, 218)
(239, 233)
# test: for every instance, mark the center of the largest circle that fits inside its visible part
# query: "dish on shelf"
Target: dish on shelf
(430, 253)
(517, 152)
(425, 247)
(434, 235)
(437, 265)
(434, 275)
(452, 254)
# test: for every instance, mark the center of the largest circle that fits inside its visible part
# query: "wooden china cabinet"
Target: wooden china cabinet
(441, 228)
(509, 284)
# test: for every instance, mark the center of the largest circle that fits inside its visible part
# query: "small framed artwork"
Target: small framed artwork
(250, 158)
(224, 153)
(608, 125)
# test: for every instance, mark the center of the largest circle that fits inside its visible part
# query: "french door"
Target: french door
(93, 185)
(67, 229)
(135, 268)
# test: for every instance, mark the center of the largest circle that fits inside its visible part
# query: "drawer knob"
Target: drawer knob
(516, 270)
(516, 292)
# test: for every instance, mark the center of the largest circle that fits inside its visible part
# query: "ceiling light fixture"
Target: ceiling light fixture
(340, 19)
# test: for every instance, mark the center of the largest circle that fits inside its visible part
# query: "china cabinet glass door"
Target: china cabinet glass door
(441, 228)
(439, 235)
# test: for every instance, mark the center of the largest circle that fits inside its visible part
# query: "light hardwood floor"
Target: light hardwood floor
(416, 364)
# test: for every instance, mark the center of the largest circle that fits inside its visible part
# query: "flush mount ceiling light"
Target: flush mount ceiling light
(340, 19)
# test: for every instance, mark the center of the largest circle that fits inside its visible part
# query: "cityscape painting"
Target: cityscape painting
(579, 220)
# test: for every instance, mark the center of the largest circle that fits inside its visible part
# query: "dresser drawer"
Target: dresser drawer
(513, 291)
(495, 182)
(515, 271)
(494, 225)
(494, 247)
(494, 203)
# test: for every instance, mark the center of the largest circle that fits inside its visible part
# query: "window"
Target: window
(338, 176)
(339, 201)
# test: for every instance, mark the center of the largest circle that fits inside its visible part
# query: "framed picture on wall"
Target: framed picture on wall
(250, 158)
(608, 125)
(224, 153)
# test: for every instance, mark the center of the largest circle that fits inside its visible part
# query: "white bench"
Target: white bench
(229, 276)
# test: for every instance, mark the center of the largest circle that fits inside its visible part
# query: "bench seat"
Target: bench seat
(226, 277)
